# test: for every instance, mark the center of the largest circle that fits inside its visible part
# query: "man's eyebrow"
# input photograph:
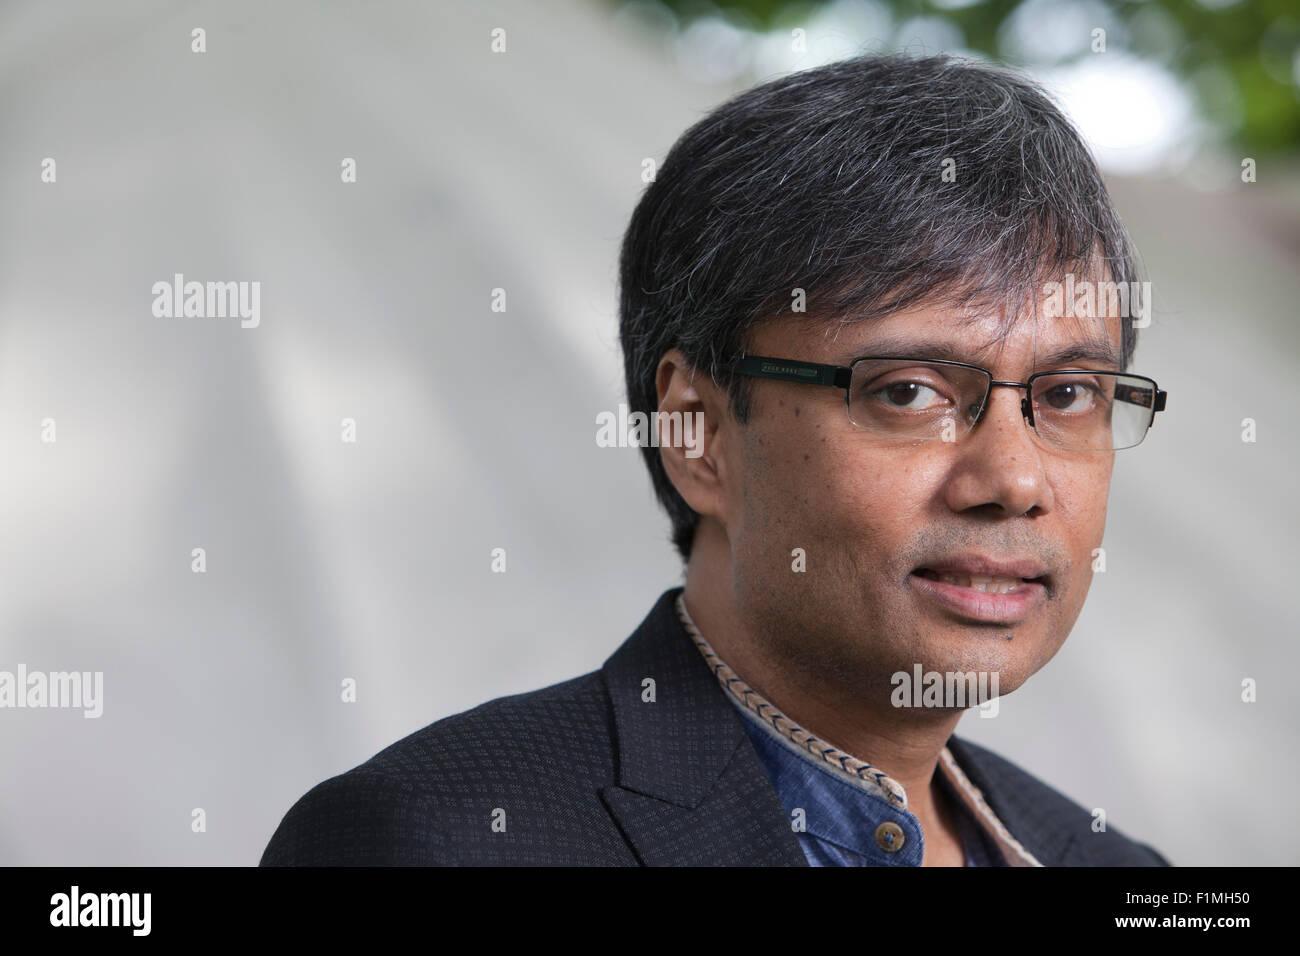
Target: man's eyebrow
(1098, 353)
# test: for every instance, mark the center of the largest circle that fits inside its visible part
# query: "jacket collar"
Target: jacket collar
(691, 789)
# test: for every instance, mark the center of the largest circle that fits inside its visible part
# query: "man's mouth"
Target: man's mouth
(994, 598)
(985, 583)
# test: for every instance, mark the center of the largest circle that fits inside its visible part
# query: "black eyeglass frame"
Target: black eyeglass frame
(841, 376)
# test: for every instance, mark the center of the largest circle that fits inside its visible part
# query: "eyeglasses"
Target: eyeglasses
(923, 399)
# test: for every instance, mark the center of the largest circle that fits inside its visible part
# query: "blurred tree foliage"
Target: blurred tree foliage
(1241, 59)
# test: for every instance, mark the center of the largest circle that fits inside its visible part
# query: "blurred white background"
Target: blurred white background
(475, 429)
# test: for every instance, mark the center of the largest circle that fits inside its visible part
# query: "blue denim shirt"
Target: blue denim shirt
(840, 819)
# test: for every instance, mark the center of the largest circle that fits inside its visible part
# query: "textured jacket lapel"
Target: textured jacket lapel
(691, 789)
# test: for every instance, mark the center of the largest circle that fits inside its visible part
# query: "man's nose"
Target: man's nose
(1001, 463)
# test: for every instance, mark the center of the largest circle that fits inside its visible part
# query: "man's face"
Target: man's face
(870, 512)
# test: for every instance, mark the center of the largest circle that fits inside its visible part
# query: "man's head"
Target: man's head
(810, 219)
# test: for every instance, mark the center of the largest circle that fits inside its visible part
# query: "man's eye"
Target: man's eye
(910, 396)
(1069, 397)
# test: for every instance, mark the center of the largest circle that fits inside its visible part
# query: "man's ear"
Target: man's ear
(691, 425)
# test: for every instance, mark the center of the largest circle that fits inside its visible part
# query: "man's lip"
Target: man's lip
(988, 607)
(931, 574)
(1025, 569)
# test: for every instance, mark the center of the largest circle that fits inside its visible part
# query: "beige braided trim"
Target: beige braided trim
(856, 771)
(1016, 855)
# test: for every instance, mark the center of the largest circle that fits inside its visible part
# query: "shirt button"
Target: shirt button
(890, 837)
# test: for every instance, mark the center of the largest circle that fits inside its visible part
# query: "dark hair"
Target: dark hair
(831, 181)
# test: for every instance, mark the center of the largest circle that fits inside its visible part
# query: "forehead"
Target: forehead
(962, 335)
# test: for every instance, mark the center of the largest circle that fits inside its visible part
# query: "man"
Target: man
(850, 279)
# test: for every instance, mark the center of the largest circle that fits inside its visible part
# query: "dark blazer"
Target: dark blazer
(586, 773)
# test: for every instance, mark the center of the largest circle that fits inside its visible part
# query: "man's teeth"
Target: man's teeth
(981, 582)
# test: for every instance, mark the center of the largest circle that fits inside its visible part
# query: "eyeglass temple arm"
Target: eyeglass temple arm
(1159, 401)
(838, 376)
